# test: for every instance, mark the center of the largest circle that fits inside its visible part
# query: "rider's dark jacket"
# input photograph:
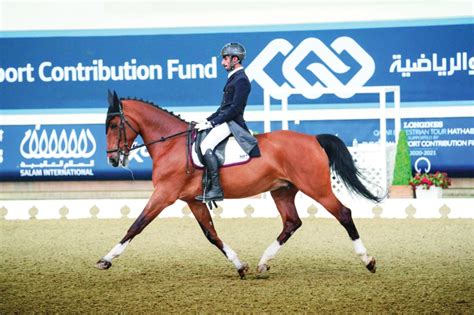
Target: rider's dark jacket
(231, 111)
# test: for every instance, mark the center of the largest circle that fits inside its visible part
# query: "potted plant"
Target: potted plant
(402, 170)
(430, 185)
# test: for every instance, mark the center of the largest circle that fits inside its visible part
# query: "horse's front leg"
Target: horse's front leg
(158, 201)
(202, 215)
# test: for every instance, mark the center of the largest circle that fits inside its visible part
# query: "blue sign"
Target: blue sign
(432, 64)
(64, 152)
(435, 143)
(429, 63)
(77, 152)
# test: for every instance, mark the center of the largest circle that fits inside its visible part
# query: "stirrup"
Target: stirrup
(205, 199)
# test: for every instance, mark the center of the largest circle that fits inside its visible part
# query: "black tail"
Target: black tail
(340, 159)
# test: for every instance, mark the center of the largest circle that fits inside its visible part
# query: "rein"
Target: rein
(163, 139)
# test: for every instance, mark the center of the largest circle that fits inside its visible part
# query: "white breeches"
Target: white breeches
(215, 136)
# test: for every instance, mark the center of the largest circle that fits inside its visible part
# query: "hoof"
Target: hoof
(103, 264)
(243, 270)
(262, 271)
(372, 265)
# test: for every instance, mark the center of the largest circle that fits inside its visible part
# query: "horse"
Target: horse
(290, 162)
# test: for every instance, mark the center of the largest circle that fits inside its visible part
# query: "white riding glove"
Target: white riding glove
(203, 125)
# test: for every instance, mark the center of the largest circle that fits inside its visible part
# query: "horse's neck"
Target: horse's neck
(156, 124)
(162, 125)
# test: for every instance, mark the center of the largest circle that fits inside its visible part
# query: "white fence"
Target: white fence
(238, 208)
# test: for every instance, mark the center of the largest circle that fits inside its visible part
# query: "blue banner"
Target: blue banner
(64, 152)
(429, 63)
(432, 64)
(77, 152)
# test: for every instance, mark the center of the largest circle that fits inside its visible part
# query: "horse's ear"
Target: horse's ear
(110, 98)
(116, 100)
(114, 108)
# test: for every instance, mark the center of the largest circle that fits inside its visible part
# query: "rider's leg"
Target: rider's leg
(215, 192)
(215, 136)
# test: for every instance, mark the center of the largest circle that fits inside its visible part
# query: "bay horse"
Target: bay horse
(289, 162)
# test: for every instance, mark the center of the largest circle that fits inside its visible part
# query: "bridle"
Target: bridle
(122, 135)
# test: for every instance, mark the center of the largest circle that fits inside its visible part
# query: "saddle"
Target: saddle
(228, 152)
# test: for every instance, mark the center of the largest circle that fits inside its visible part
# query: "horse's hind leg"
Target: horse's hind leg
(202, 215)
(285, 201)
(344, 216)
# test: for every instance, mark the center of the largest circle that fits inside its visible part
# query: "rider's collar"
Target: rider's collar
(234, 71)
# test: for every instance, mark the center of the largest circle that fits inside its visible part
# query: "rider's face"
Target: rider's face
(226, 62)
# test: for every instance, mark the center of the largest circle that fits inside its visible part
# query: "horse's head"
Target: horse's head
(120, 133)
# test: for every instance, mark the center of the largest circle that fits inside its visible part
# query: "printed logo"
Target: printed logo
(422, 160)
(326, 71)
(34, 146)
(50, 154)
(138, 155)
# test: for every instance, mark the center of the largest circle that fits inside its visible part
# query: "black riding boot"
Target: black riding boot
(212, 165)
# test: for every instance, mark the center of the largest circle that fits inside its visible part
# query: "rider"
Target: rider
(228, 119)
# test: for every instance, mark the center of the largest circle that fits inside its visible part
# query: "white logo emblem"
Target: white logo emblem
(323, 72)
(139, 154)
(418, 168)
(34, 146)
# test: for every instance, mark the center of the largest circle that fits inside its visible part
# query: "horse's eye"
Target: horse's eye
(113, 126)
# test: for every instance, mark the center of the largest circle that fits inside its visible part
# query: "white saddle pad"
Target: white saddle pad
(233, 154)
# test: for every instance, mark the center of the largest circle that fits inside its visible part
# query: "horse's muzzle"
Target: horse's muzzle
(113, 158)
(114, 161)
(117, 159)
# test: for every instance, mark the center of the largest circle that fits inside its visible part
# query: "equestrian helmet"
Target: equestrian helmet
(234, 49)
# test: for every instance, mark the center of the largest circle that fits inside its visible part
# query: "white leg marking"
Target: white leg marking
(269, 253)
(116, 251)
(360, 250)
(232, 256)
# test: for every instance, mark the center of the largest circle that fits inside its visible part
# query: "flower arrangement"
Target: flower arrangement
(426, 180)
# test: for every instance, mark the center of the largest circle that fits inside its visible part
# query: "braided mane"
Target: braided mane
(154, 105)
